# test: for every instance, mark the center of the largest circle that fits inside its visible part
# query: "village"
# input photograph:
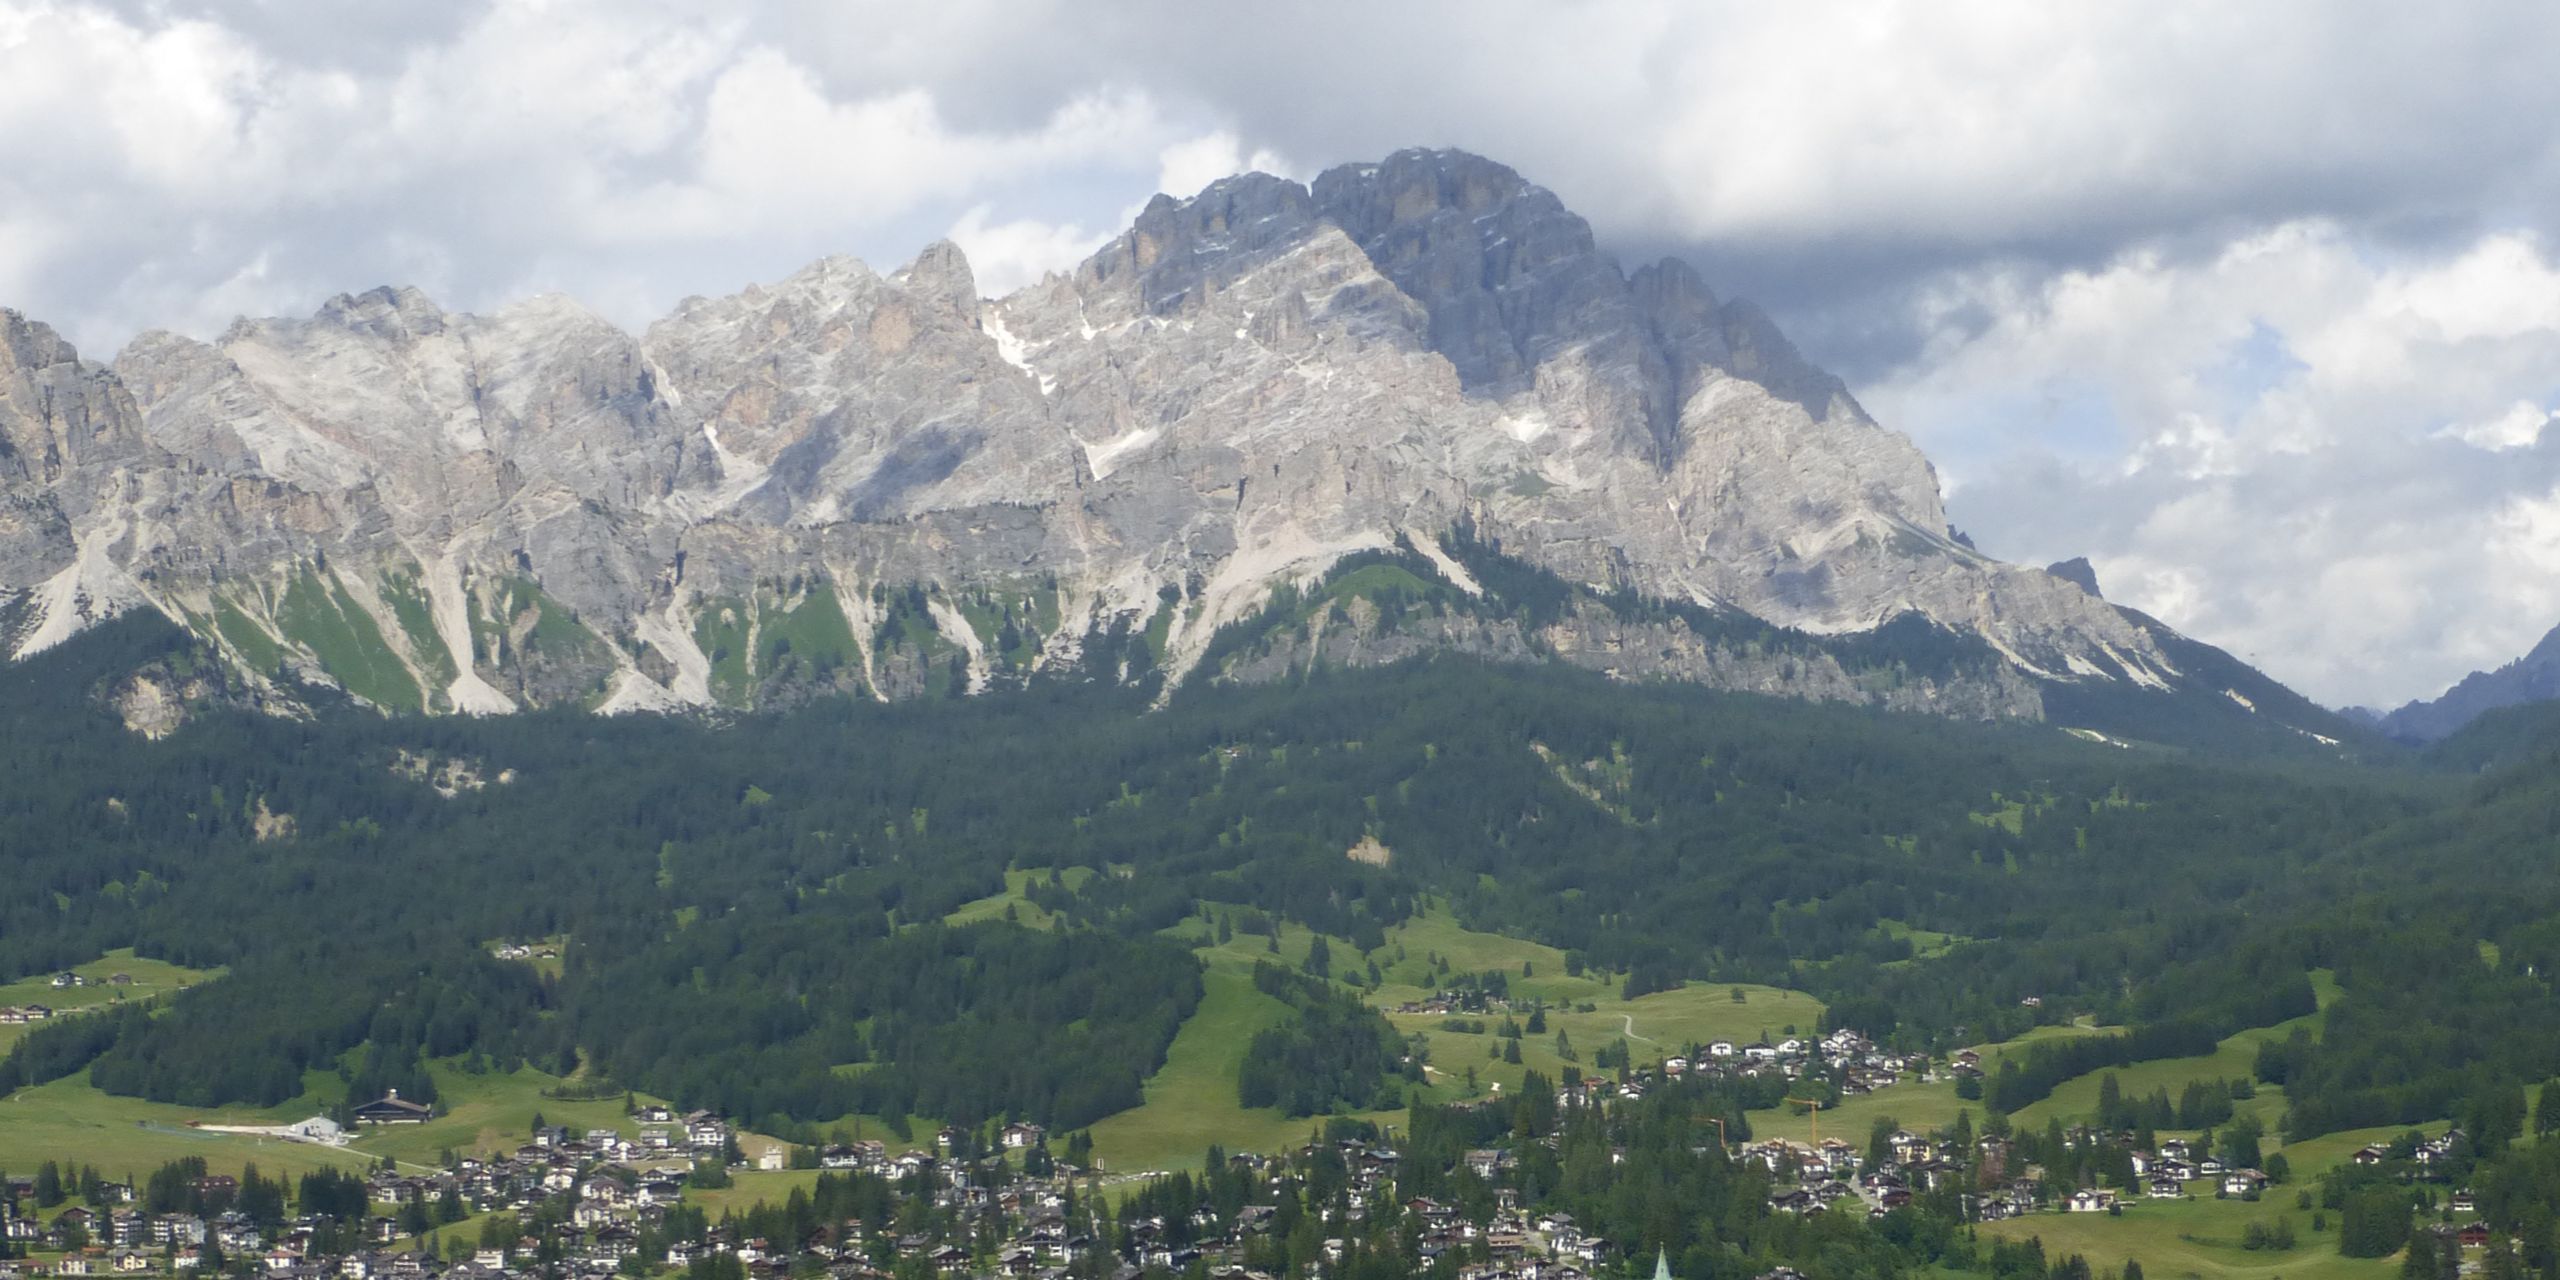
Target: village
(626, 1200)
(603, 1201)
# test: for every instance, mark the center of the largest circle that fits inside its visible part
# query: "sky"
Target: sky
(2257, 306)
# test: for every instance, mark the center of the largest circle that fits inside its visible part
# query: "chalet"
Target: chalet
(2090, 1200)
(2474, 1235)
(703, 1129)
(391, 1108)
(1018, 1136)
(2371, 1154)
(2243, 1182)
(2165, 1188)
(2463, 1201)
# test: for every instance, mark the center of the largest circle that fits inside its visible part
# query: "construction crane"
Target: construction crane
(1814, 1107)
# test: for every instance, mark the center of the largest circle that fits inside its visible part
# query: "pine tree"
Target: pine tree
(2420, 1261)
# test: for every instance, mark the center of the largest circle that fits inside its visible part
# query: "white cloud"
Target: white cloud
(1187, 166)
(2329, 463)
(1005, 256)
(2520, 427)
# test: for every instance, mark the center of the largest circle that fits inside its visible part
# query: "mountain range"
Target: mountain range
(1409, 407)
(2535, 677)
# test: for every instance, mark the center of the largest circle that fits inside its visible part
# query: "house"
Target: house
(2090, 1200)
(2371, 1155)
(391, 1108)
(2165, 1188)
(2243, 1182)
(1019, 1136)
(703, 1129)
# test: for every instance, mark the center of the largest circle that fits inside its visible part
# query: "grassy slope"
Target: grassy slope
(70, 1122)
(1026, 912)
(2236, 1058)
(150, 978)
(1191, 1101)
(490, 1113)
(2201, 1237)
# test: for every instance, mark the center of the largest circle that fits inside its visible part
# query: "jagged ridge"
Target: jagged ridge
(851, 483)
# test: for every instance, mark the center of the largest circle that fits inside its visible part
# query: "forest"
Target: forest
(755, 913)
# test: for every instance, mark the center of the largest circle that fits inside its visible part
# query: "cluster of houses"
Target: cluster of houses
(1845, 1057)
(1458, 1000)
(20, 1015)
(1835, 1174)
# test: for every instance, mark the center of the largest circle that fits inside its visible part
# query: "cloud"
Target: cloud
(1193, 163)
(2330, 463)
(1005, 256)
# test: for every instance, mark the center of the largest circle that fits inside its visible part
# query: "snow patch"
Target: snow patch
(2080, 666)
(2015, 658)
(2236, 696)
(1105, 457)
(2134, 668)
(1011, 349)
(739, 475)
(1527, 425)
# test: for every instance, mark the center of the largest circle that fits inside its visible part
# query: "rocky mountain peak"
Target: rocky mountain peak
(392, 313)
(940, 276)
(2078, 572)
(845, 482)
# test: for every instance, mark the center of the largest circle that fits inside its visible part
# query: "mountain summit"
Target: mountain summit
(1409, 407)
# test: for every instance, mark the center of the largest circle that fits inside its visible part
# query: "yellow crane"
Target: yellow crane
(1814, 1107)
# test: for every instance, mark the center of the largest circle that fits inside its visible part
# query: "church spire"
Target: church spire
(1661, 1263)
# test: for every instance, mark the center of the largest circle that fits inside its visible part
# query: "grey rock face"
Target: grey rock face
(886, 485)
(2535, 677)
(2078, 572)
